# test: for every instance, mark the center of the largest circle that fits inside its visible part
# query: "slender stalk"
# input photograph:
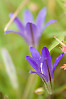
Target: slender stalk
(15, 14)
(59, 41)
(30, 82)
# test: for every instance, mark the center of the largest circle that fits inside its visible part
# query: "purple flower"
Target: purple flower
(43, 65)
(31, 31)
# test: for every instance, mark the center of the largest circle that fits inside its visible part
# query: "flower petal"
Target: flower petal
(33, 63)
(28, 17)
(43, 77)
(46, 56)
(48, 23)
(46, 65)
(35, 54)
(18, 23)
(57, 61)
(41, 18)
(10, 31)
(46, 70)
(32, 34)
(17, 32)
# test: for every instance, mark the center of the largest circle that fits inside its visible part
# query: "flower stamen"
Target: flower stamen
(41, 68)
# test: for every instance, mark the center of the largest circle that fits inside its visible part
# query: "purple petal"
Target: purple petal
(49, 22)
(46, 56)
(32, 34)
(10, 31)
(17, 32)
(35, 54)
(43, 77)
(28, 17)
(46, 70)
(47, 63)
(33, 63)
(57, 61)
(41, 18)
(18, 23)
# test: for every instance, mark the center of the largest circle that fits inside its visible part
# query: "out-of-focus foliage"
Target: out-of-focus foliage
(18, 49)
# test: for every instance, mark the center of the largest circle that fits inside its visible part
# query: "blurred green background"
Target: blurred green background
(18, 49)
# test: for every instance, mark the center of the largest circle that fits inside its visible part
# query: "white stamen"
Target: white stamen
(41, 67)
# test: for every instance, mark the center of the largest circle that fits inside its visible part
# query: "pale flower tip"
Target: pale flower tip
(54, 36)
(39, 91)
(64, 68)
(5, 29)
(61, 67)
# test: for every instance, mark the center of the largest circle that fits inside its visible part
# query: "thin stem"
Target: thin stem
(15, 14)
(59, 41)
(30, 82)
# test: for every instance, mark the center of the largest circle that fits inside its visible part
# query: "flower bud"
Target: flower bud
(39, 91)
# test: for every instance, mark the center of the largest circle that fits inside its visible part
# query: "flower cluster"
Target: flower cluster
(31, 31)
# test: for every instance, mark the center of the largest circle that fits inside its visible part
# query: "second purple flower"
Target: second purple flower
(31, 31)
